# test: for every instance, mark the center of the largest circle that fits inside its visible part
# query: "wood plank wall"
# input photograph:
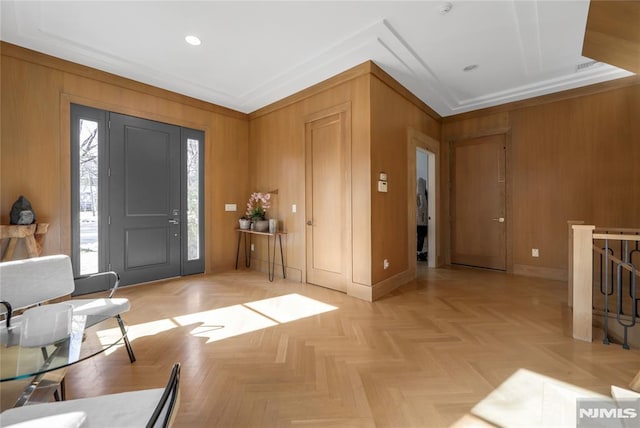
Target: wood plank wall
(575, 156)
(277, 161)
(36, 94)
(382, 111)
(392, 115)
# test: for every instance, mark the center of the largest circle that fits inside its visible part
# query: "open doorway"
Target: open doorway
(423, 161)
(425, 206)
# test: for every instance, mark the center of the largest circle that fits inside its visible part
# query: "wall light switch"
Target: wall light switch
(230, 207)
(535, 252)
(294, 208)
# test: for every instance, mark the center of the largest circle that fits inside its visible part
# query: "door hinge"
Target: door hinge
(109, 220)
(109, 172)
(109, 268)
(109, 125)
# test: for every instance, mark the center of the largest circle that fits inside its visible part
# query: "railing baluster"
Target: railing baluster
(606, 294)
(632, 290)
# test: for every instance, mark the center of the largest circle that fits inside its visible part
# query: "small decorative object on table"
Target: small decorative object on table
(21, 212)
(257, 210)
(245, 223)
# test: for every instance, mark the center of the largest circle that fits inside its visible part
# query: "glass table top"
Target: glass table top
(18, 362)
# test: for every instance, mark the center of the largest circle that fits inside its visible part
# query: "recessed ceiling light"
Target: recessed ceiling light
(193, 40)
(445, 8)
(471, 67)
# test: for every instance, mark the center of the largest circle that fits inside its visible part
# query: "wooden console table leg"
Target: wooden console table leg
(11, 247)
(32, 246)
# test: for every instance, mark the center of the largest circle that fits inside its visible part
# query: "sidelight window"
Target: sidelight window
(88, 218)
(193, 199)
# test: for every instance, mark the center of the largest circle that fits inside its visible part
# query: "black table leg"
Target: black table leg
(238, 249)
(284, 274)
(270, 266)
(247, 253)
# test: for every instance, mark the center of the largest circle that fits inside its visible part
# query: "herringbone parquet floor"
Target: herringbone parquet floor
(260, 354)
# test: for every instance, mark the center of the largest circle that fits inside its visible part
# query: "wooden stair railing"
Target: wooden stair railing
(582, 250)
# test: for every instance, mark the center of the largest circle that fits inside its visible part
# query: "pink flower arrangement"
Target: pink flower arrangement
(257, 205)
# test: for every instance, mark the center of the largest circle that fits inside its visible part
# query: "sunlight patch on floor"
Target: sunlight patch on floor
(290, 307)
(230, 321)
(223, 323)
(529, 399)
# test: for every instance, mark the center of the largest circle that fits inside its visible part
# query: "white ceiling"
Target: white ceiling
(255, 53)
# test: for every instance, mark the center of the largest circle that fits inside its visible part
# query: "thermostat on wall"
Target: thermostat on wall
(382, 182)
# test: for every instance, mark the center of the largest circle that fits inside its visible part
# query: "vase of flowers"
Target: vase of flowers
(257, 210)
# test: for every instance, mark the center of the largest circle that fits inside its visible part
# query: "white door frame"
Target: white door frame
(431, 205)
(419, 140)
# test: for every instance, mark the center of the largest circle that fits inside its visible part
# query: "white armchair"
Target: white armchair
(37, 280)
(144, 408)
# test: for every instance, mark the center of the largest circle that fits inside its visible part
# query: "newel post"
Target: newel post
(582, 282)
(570, 223)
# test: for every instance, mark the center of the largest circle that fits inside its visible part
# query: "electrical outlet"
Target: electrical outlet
(385, 263)
(253, 247)
(535, 252)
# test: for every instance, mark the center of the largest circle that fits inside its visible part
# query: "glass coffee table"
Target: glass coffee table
(36, 362)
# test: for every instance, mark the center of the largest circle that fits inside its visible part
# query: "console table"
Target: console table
(271, 262)
(31, 233)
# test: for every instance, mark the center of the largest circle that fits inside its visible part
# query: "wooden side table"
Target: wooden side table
(31, 233)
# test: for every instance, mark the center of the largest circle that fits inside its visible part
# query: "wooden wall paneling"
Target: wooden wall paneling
(583, 91)
(391, 117)
(226, 182)
(612, 33)
(277, 161)
(361, 189)
(47, 89)
(572, 158)
(615, 174)
(538, 191)
(93, 75)
(30, 145)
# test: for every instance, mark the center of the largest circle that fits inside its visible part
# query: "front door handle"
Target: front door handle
(498, 219)
(309, 223)
(174, 221)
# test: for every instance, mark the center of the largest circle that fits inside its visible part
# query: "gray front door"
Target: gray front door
(144, 199)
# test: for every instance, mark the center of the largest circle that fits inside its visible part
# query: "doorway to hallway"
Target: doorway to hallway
(425, 205)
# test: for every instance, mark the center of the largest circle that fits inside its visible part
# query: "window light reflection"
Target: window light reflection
(290, 307)
(230, 321)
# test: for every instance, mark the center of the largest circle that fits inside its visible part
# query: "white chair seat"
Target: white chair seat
(65, 420)
(149, 407)
(97, 310)
(127, 409)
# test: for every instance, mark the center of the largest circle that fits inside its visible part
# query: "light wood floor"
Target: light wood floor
(420, 357)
